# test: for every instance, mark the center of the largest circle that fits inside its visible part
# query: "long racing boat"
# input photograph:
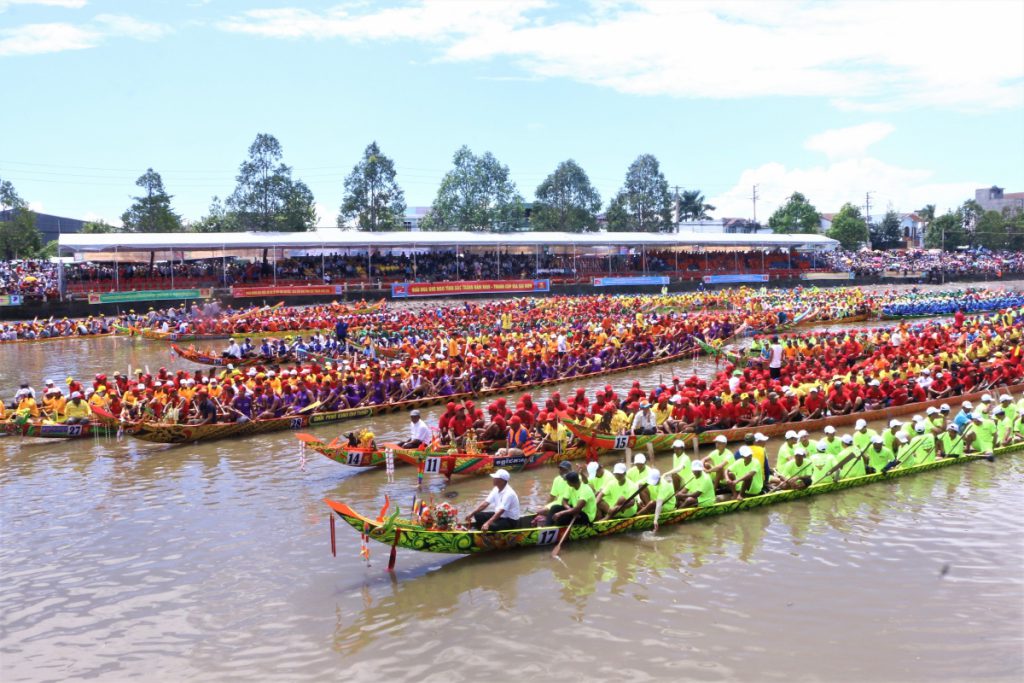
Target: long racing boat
(403, 533)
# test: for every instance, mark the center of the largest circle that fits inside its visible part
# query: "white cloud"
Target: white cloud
(860, 55)
(66, 4)
(843, 143)
(36, 39)
(848, 176)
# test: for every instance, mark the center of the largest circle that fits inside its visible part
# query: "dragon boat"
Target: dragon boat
(404, 533)
(58, 430)
(607, 443)
(39, 340)
(436, 461)
(220, 361)
(158, 432)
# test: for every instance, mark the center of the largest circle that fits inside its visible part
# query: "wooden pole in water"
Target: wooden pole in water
(334, 547)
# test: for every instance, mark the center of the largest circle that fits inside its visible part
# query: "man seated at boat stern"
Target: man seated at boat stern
(505, 504)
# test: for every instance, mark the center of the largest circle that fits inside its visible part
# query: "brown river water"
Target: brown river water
(126, 560)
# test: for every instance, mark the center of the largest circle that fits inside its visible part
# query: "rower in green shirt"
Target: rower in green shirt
(659, 489)
(981, 434)
(889, 435)
(862, 435)
(822, 463)
(700, 487)
(878, 455)
(612, 501)
(638, 472)
(579, 503)
(834, 445)
(597, 476)
(744, 477)
(854, 458)
(795, 474)
(719, 459)
(923, 444)
(1004, 426)
(785, 453)
(951, 442)
(680, 460)
(558, 486)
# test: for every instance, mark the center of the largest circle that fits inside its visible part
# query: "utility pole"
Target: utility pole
(678, 208)
(867, 207)
(753, 198)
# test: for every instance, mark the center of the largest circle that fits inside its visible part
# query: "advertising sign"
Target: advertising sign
(630, 281)
(272, 291)
(734, 278)
(402, 290)
(148, 295)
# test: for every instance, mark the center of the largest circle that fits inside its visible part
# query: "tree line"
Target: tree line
(477, 194)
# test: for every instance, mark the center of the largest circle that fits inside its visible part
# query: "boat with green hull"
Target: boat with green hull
(403, 533)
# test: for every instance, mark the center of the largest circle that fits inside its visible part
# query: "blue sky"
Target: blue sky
(833, 100)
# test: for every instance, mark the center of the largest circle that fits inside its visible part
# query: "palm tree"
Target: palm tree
(692, 206)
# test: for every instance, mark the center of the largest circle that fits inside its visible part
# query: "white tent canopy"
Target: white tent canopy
(333, 238)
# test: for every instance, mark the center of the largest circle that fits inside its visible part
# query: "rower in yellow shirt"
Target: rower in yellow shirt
(27, 406)
(99, 399)
(53, 404)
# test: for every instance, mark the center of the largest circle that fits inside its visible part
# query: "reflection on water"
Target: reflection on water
(210, 562)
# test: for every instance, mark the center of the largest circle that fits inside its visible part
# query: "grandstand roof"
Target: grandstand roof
(333, 238)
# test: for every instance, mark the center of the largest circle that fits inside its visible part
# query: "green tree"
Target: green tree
(217, 219)
(19, 237)
(644, 198)
(266, 198)
(887, 234)
(796, 216)
(100, 227)
(373, 198)
(946, 231)
(990, 231)
(151, 212)
(476, 195)
(566, 201)
(617, 215)
(849, 228)
(692, 206)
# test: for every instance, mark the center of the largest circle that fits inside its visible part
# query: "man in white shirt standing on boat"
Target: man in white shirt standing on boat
(505, 503)
(775, 355)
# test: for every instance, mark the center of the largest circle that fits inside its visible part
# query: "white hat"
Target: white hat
(802, 433)
(932, 410)
(678, 443)
(50, 381)
(987, 398)
(639, 459)
(271, 374)
(952, 425)
(821, 445)
(697, 466)
(141, 387)
(895, 423)
(998, 411)
(830, 429)
(968, 405)
(760, 437)
(76, 394)
(799, 451)
(592, 468)
(977, 415)
(874, 383)
(847, 439)
(721, 439)
(919, 428)
(414, 413)
(746, 452)
(877, 439)
(620, 468)
(861, 424)
(791, 435)
(654, 477)
(902, 438)
(500, 474)
(1004, 397)
(944, 408)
